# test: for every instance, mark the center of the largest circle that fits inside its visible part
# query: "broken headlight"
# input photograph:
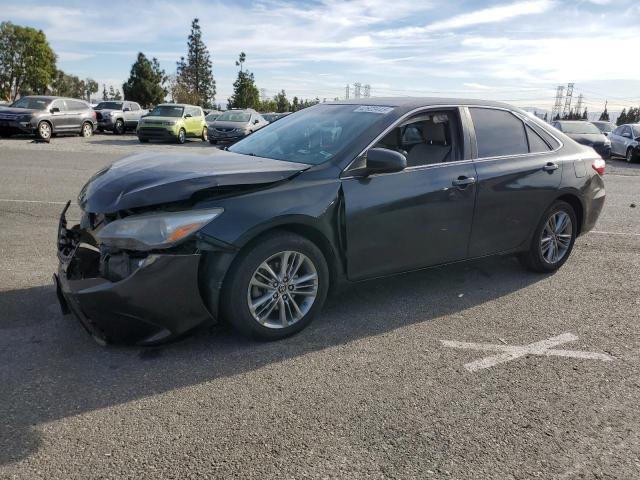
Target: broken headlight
(155, 230)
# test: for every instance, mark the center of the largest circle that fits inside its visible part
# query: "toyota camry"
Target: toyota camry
(259, 234)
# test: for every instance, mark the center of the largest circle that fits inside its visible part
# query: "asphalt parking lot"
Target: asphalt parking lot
(417, 376)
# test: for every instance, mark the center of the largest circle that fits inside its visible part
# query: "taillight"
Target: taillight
(598, 165)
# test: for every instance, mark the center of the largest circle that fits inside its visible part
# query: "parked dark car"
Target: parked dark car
(47, 116)
(625, 142)
(587, 134)
(118, 116)
(337, 193)
(234, 125)
(605, 127)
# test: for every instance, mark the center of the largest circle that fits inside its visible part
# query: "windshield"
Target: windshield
(604, 126)
(313, 135)
(109, 106)
(234, 117)
(166, 111)
(579, 128)
(32, 103)
(212, 116)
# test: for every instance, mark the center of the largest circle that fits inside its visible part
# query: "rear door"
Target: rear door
(518, 177)
(75, 114)
(417, 217)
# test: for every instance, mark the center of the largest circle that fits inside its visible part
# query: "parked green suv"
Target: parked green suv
(173, 121)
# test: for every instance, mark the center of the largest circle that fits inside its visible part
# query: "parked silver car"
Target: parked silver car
(118, 116)
(625, 142)
(235, 124)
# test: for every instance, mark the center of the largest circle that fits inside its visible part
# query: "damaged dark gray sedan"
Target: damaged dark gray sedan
(337, 193)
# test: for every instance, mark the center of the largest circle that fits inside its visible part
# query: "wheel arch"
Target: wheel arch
(49, 122)
(576, 203)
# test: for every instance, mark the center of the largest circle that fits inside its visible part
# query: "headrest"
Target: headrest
(434, 133)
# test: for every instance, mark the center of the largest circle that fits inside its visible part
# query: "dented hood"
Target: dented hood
(155, 178)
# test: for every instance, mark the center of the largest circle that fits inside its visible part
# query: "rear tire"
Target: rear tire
(551, 244)
(238, 291)
(87, 130)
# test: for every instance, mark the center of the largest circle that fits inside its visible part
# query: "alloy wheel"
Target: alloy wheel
(44, 130)
(181, 136)
(283, 289)
(556, 237)
(87, 130)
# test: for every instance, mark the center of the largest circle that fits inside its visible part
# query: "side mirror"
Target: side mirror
(188, 115)
(383, 160)
(55, 110)
(256, 121)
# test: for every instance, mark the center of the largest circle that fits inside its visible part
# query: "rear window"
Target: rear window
(578, 128)
(498, 133)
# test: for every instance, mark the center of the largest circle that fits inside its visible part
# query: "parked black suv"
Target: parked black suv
(46, 116)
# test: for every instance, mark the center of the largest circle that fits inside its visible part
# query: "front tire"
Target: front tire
(182, 136)
(629, 156)
(275, 287)
(44, 131)
(553, 239)
(118, 128)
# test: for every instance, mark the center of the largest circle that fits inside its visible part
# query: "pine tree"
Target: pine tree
(145, 84)
(245, 92)
(546, 117)
(282, 104)
(585, 115)
(105, 95)
(295, 104)
(194, 74)
(604, 116)
(622, 119)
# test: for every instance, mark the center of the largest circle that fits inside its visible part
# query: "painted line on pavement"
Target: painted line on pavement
(615, 233)
(512, 352)
(9, 200)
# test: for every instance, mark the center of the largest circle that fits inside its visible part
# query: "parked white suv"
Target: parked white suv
(118, 116)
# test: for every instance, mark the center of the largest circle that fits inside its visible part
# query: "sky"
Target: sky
(514, 51)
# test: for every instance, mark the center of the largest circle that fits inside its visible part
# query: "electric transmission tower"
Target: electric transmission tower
(579, 106)
(567, 100)
(367, 91)
(346, 92)
(558, 103)
(356, 89)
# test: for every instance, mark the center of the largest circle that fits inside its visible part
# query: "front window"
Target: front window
(313, 135)
(167, 111)
(109, 106)
(31, 103)
(580, 128)
(240, 117)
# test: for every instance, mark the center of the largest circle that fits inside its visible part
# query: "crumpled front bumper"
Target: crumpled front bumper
(158, 301)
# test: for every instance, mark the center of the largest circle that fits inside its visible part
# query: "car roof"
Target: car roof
(417, 102)
(176, 105)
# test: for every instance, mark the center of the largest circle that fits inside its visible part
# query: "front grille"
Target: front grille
(225, 130)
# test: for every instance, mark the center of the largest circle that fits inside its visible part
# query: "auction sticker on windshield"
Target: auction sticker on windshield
(373, 109)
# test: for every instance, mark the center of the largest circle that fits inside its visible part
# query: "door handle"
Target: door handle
(463, 181)
(550, 167)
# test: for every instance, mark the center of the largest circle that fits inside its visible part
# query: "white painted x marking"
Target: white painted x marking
(511, 352)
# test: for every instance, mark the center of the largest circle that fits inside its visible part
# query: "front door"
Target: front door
(417, 217)
(59, 117)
